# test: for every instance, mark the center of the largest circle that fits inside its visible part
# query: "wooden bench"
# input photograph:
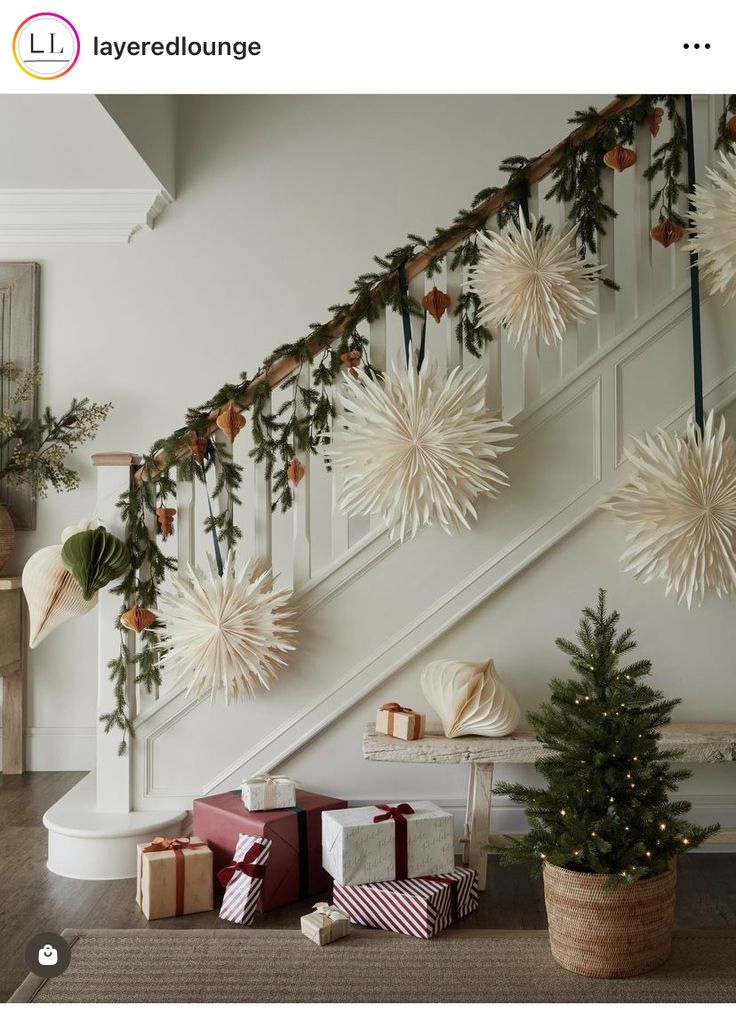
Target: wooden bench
(704, 742)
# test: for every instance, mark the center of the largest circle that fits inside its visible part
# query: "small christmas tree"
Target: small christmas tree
(606, 809)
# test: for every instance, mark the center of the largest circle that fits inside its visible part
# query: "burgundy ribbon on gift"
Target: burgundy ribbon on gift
(450, 881)
(401, 837)
(247, 866)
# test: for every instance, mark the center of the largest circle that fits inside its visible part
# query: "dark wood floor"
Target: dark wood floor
(33, 900)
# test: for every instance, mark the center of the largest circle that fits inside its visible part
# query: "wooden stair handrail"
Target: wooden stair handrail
(537, 171)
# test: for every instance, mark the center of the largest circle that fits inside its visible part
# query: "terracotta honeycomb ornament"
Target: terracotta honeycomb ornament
(199, 447)
(165, 516)
(230, 421)
(667, 233)
(295, 471)
(620, 158)
(137, 619)
(436, 302)
(654, 119)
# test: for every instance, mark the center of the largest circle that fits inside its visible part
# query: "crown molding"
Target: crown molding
(78, 216)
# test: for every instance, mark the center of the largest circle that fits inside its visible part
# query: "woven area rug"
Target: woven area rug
(264, 965)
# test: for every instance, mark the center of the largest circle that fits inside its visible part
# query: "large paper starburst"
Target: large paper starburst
(714, 227)
(226, 633)
(418, 448)
(532, 281)
(681, 506)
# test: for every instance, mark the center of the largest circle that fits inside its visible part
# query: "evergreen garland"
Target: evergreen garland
(299, 422)
(606, 808)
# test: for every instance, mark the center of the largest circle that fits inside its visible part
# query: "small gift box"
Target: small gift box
(174, 877)
(399, 721)
(263, 793)
(379, 842)
(243, 879)
(419, 907)
(295, 867)
(325, 924)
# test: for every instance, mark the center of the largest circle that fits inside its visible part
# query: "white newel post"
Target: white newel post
(113, 771)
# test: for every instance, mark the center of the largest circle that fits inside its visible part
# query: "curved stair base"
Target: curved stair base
(87, 844)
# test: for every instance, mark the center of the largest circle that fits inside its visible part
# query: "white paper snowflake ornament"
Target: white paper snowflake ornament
(680, 505)
(714, 227)
(228, 633)
(417, 448)
(532, 281)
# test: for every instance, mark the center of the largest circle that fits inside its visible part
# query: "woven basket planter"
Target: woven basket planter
(609, 933)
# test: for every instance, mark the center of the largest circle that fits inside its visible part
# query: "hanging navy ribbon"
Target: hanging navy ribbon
(694, 275)
(406, 321)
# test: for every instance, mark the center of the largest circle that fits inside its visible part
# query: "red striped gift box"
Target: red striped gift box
(419, 907)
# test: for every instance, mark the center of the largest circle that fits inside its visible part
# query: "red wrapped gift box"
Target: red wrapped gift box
(294, 868)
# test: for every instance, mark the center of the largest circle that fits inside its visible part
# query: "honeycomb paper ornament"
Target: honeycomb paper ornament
(680, 506)
(469, 698)
(532, 281)
(714, 227)
(417, 448)
(52, 594)
(226, 633)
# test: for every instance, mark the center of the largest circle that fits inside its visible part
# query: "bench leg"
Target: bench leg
(478, 818)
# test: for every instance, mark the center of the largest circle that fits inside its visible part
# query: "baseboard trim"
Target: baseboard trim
(59, 749)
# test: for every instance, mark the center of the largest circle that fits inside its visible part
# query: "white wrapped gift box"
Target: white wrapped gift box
(357, 849)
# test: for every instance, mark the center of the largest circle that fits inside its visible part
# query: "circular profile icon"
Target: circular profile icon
(46, 46)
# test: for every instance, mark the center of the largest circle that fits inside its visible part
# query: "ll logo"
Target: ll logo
(46, 46)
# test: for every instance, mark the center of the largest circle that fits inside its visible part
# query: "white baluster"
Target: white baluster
(260, 516)
(606, 295)
(532, 372)
(113, 772)
(377, 354)
(569, 347)
(224, 503)
(302, 557)
(184, 522)
(143, 698)
(453, 289)
(644, 275)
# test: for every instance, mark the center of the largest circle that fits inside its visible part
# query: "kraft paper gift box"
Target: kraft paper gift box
(295, 863)
(419, 907)
(174, 877)
(243, 879)
(264, 793)
(325, 924)
(380, 842)
(399, 721)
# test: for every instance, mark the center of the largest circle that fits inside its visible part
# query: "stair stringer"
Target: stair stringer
(567, 459)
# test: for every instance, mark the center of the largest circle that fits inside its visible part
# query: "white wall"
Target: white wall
(281, 202)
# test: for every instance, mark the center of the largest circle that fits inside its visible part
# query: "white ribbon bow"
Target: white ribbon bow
(267, 779)
(330, 913)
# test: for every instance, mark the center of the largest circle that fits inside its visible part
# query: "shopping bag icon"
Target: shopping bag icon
(48, 955)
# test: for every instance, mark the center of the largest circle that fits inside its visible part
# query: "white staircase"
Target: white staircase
(366, 604)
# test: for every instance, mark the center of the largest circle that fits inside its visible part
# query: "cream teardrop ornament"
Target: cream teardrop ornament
(52, 594)
(469, 698)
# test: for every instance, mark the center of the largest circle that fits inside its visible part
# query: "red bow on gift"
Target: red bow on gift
(395, 812)
(401, 838)
(394, 707)
(247, 866)
(171, 844)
